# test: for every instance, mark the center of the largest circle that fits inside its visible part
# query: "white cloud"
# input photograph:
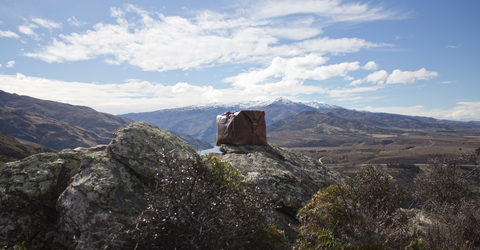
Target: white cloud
(181, 87)
(162, 43)
(285, 76)
(399, 76)
(356, 82)
(463, 111)
(329, 10)
(47, 23)
(371, 66)
(289, 69)
(9, 34)
(73, 21)
(27, 29)
(377, 76)
(10, 64)
(452, 46)
(131, 96)
(348, 94)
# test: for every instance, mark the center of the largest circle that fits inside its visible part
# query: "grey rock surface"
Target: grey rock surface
(56, 200)
(143, 148)
(288, 177)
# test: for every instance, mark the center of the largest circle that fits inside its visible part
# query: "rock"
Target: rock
(103, 187)
(43, 177)
(288, 177)
(25, 221)
(56, 200)
(61, 200)
(144, 148)
(29, 189)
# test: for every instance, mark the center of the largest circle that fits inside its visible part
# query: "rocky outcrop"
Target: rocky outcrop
(288, 177)
(55, 200)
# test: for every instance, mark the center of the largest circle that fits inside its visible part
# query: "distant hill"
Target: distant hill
(199, 121)
(11, 149)
(59, 125)
(315, 129)
(342, 127)
(43, 130)
(385, 120)
(194, 142)
(102, 124)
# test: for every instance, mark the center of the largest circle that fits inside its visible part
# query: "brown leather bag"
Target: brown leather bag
(246, 127)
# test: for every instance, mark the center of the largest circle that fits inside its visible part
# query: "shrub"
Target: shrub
(361, 214)
(374, 194)
(200, 204)
(408, 166)
(446, 193)
(454, 226)
(326, 220)
(441, 183)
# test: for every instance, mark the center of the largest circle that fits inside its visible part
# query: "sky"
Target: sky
(406, 57)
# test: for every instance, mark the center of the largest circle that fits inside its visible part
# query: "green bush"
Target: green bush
(362, 214)
(326, 218)
(373, 192)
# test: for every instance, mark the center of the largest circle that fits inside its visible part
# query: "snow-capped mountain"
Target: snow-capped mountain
(199, 121)
(258, 105)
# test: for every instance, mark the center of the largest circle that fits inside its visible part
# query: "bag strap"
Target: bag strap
(253, 116)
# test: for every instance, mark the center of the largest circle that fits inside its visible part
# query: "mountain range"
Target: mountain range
(302, 124)
(56, 126)
(341, 127)
(200, 121)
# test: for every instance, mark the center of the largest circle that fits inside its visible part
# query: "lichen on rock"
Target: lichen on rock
(52, 200)
(288, 177)
(56, 200)
(144, 148)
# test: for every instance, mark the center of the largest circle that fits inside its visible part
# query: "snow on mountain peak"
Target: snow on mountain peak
(260, 104)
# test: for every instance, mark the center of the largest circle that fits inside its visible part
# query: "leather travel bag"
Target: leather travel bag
(246, 127)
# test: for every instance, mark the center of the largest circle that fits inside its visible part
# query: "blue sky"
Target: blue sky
(406, 57)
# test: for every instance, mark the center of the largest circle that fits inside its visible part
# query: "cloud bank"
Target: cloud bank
(155, 42)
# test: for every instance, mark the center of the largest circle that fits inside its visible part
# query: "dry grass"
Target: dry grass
(406, 149)
(412, 149)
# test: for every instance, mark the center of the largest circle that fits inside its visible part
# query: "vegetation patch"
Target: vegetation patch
(369, 212)
(201, 204)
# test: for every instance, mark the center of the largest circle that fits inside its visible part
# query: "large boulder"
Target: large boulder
(29, 190)
(288, 177)
(148, 150)
(56, 200)
(63, 200)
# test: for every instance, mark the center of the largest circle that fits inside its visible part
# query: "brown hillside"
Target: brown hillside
(46, 131)
(104, 125)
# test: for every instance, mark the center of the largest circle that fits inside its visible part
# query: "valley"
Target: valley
(340, 138)
(413, 149)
